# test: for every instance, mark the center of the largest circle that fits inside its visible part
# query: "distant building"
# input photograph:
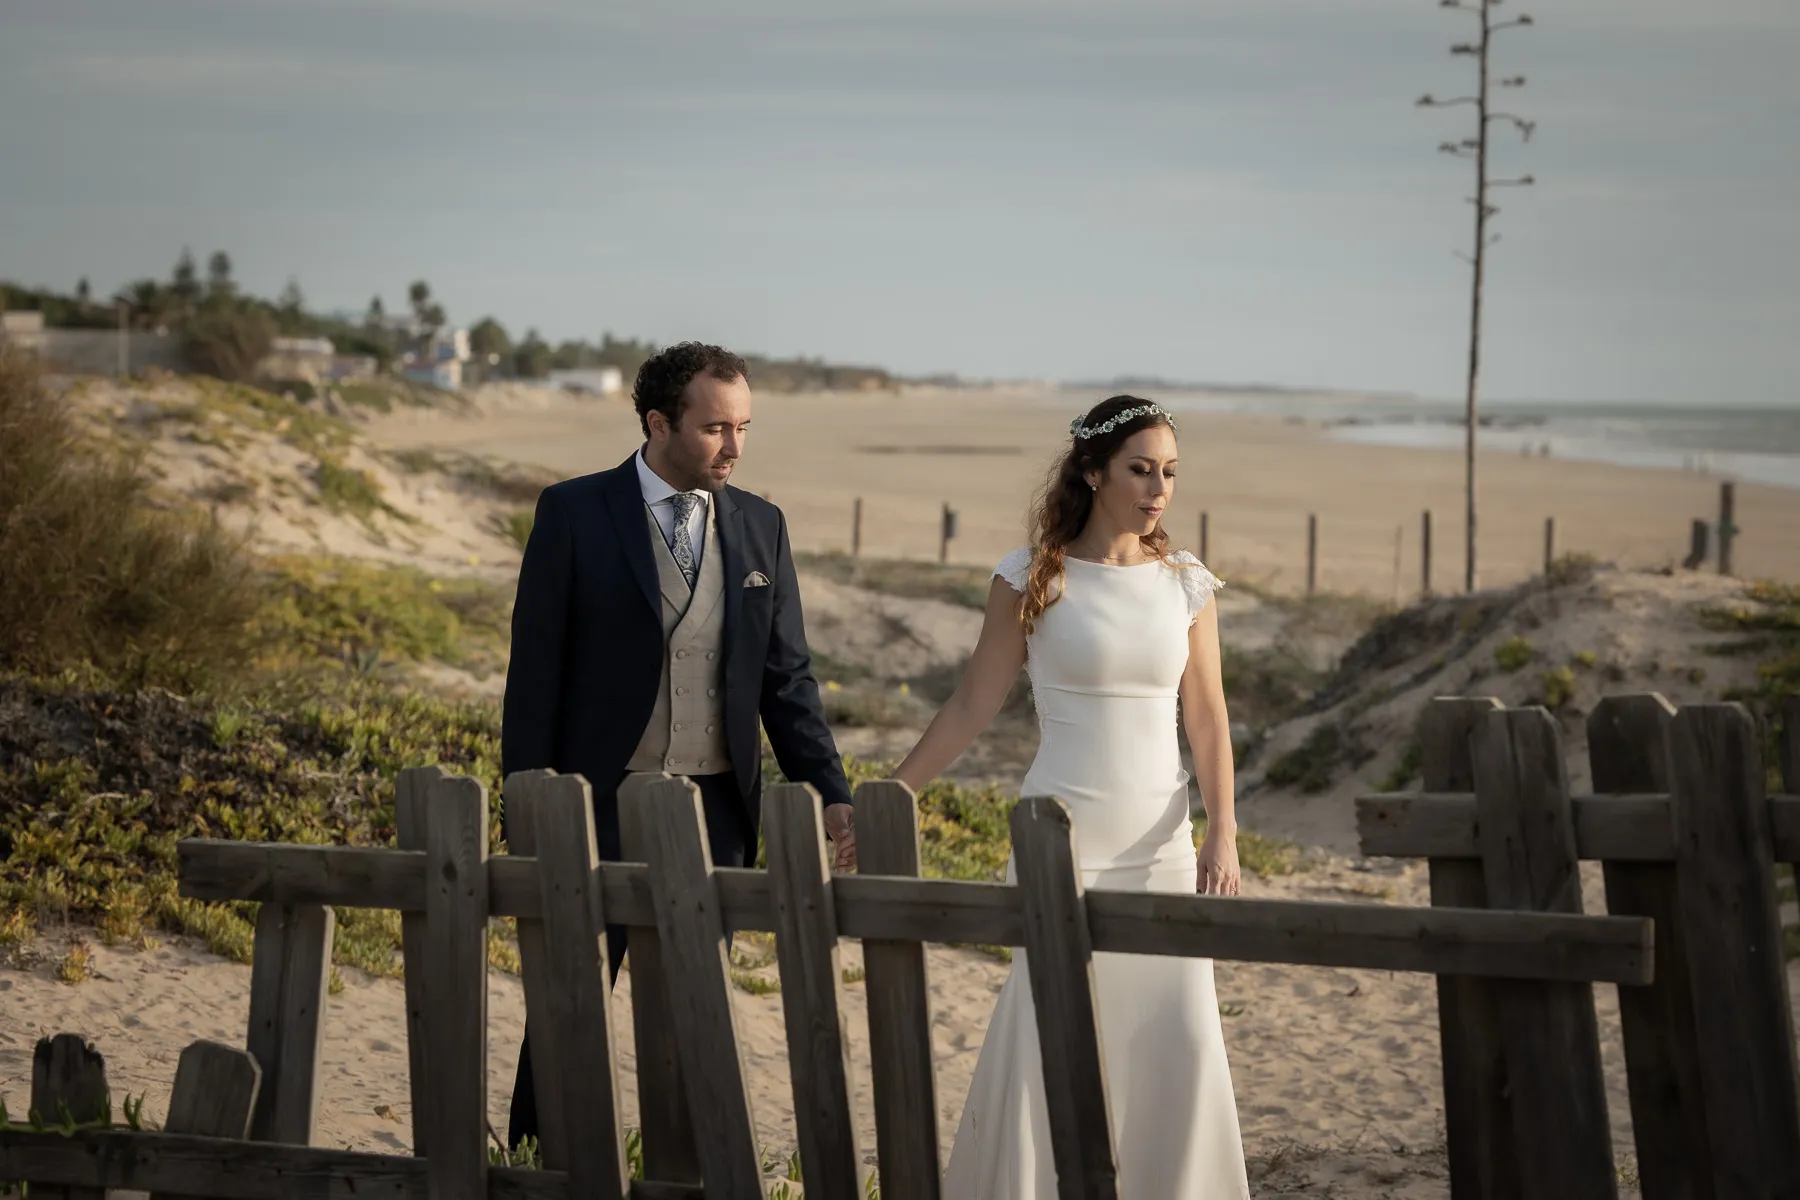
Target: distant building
(602, 381)
(294, 359)
(91, 351)
(22, 331)
(447, 375)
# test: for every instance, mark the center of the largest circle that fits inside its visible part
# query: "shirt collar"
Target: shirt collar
(656, 489)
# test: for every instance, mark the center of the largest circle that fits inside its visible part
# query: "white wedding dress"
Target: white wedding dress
(1105, 663)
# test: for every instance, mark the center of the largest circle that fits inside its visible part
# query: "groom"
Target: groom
(657, 618)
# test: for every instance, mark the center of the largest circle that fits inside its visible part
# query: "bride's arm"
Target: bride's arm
(992, 669)
(1207, 723)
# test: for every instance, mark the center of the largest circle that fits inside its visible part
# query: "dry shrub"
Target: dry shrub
(96, 572)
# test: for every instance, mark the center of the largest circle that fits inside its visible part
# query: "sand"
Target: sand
(984, 451)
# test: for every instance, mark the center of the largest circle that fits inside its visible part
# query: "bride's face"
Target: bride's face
(1139, 483)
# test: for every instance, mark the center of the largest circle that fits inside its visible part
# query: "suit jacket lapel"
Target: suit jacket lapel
(731, 556)
(626, 500)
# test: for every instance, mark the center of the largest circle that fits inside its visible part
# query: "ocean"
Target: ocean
(1748, 444)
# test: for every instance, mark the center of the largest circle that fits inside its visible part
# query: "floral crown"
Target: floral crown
(1118, 419)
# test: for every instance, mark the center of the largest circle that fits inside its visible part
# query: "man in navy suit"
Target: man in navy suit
(657, 619)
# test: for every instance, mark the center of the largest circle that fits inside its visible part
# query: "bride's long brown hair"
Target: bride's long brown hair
(1065, 503)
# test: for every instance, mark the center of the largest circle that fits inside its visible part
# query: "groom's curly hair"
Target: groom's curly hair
(662, 380)
(1066, 501)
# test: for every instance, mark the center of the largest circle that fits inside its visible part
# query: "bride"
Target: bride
(1121, 644)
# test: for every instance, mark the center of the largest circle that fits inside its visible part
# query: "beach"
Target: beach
(984, 452)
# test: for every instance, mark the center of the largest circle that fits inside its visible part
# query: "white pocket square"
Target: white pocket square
(756, 579)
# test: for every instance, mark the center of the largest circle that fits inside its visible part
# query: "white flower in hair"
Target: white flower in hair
(1118, 419)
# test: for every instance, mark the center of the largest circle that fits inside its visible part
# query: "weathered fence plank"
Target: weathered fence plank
(290, 972)
(665, 1124)
(580, 990)
(1726, 888)
(899, 993)
(692, 930)
(1477, 1120)
(1059, 959)
(214, 1095)
(456, 912)
(812, 989)
(523, 796)
(229, 1169)
(68, 1084)
(1624, 828)
(1442, 941)
(412, 789)
(1628, 751)
(1556, 1086)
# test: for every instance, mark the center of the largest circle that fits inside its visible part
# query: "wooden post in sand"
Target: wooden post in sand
(1312, 552)
(1203, 533)
(856, 528)
(1425, 554)
(947, 532)
(1549, 545)
(1727, 531)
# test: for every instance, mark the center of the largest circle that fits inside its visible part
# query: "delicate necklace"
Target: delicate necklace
(1118, 562)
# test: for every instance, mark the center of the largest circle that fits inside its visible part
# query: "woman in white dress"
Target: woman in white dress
(1121, 646)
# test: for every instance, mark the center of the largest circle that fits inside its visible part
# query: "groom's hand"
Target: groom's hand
(840, 826)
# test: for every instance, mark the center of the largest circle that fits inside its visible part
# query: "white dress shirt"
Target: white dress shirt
(660, 498)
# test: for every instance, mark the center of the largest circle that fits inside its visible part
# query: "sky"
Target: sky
(1228, 191)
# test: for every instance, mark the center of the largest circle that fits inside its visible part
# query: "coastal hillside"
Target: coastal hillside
(1587, 631)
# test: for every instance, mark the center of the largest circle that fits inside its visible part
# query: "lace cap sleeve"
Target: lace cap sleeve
(1015, 568)
(1198, 582)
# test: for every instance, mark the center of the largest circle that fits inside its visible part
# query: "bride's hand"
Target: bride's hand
(1218, 862)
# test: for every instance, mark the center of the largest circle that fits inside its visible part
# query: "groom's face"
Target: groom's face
(700, 452)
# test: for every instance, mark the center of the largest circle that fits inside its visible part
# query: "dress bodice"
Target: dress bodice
(1106, 661)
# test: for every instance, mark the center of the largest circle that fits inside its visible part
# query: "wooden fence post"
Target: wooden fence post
(1549, 545)
(905, 1083)
(1204, 531)
(68, 1083)
(1724, 861)
(523, 796)
(412, 787)
(856, 529)
(290, 972)
(1425, 553)
(577, 970)
(1059, 956)
(1312, 552)
(1484, 1162)
(214, 1095)
(666, 1125)
(946, 531)
(691, 924)
(1727, 529)
(1628, 751)
(456, 917)
(1556, 1085)
(812, 989)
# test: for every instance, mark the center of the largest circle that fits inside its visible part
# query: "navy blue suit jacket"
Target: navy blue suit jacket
(588, 648)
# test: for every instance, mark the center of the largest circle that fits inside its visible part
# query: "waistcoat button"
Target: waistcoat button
(709, 655)
(678, 727)
(683, 654)
(712, 691)
(681, 691)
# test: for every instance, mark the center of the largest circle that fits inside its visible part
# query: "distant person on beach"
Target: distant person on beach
(657, 621)
(1115, 629)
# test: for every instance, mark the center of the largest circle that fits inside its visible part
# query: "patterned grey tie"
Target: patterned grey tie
(683, 545)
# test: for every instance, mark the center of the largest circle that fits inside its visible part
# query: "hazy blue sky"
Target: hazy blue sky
(1231, 190)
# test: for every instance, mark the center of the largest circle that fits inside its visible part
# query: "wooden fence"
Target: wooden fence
(1687, 838)
(241, 1121)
